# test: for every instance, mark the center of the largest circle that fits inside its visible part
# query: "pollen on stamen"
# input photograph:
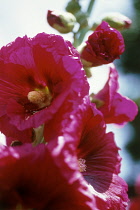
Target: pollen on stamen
(82, 165)
(36, 97)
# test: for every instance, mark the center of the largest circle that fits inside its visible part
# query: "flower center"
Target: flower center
(36, 97)
(40, 97)
(16, 143)
(82, 165)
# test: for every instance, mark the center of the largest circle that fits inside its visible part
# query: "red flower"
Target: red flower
(102, 162)
(42, 177)
(97, 155)
(81, 153)
(115, 107)
(36, 76)
(103, 46)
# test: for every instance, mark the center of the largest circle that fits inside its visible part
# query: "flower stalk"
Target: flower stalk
(78, 36)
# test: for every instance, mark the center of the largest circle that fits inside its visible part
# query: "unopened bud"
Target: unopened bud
(115, 20)
(63, 22)
(73, 6)
(103, 46)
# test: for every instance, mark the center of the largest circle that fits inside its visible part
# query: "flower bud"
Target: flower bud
(63, 22)
(115, 20)
(103, 46)
(73, 6)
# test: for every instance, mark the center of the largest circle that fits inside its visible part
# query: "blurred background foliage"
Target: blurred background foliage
(130, 62)
(131, 57)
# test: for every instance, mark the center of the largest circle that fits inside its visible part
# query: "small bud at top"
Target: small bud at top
(115, 20)
(63, 22)
(73, 6)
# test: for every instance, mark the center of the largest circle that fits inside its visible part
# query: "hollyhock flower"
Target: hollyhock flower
(36, 76)
(115, 107)
(42, 177)
(102, 162)
(97, 155)
(103, 46)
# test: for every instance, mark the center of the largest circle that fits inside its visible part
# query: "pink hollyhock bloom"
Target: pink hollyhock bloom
(36, 76)
(42, 177)
(115, 107)
(97, 154)
(103, 46)
(100, 153)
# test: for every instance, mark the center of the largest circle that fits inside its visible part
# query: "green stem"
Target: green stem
(90, 6)
(79, 36)
(82, 34)
(75, 40)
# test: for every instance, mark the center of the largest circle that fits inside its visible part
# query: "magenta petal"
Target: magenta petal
(87, 127)
(122, 110)
(116, 108)
(11, 130)
(102, 160)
